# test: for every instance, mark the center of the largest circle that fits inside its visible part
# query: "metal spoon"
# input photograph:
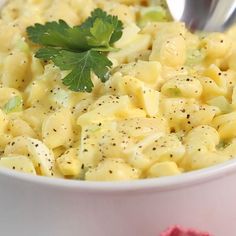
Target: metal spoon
(204, 15)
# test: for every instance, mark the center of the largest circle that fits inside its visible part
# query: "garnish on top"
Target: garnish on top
(80, 49)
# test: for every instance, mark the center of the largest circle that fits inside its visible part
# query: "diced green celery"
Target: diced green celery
(158, 3)
(222, 144)
(153, 14)
(194, 57)
(13, 105)
(22, 46)
(95, 129)
(222, 103)
(173, 92)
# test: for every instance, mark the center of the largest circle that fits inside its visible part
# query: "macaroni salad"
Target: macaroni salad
(169, 105)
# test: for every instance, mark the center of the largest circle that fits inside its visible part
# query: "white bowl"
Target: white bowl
(41, 206)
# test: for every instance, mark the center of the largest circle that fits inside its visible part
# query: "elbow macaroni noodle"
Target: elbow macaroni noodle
(168, 108)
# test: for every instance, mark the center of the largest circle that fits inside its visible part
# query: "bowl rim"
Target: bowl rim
(168, 183)
(159, 184)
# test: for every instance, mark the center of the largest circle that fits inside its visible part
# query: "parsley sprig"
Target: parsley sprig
(80, 49)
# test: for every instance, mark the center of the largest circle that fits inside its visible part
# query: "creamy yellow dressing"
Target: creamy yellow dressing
(169, 106)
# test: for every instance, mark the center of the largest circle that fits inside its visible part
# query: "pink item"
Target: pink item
(179, 231)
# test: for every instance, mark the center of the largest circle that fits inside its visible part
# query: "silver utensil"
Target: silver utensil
(204, 15)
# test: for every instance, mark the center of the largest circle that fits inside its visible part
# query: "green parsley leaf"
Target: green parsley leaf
(102, 28)
(80, 50)
(58, 34)
(113, 20)
(101, 34)
(13, 105)
(81, 66)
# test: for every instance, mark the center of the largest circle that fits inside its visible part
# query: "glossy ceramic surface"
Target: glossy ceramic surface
(32, 205)
(39, 206)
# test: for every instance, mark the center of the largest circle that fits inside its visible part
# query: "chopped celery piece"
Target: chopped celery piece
(13, 105)
(152, 14)
(95, 129)
(194, 57)
(222, 144)
(157, 3)
(222, 103)
(22, 46)
(173, 92)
